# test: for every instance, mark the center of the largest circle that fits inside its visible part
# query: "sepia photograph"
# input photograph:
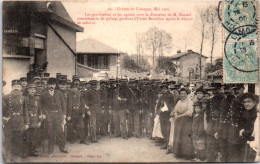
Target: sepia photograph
(130, 81)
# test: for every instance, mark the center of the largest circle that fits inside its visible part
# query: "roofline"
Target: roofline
(188, 54)
(100, 53)
(63, 21)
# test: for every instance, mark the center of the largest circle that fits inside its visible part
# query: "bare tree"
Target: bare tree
(203, 18)
(139, 47)
(212, 21)
(165, 43)
(157, 41)
(151, 40)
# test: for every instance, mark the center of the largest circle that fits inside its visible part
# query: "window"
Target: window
(97, 61)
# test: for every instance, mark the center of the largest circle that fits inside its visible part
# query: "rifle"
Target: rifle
(44, 140)
(90, 129)
(65, 130)
(127, 124)
(109, 127)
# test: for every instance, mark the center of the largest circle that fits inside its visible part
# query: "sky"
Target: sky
(122, 35)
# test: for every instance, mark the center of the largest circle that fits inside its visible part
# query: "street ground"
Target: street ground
(108, 150)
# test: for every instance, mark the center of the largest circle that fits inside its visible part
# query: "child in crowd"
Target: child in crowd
(198, 132)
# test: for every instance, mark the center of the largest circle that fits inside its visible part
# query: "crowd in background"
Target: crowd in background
(212, 123)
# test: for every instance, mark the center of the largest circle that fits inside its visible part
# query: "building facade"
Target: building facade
(94, 56)
(188, 65)
(38, 36)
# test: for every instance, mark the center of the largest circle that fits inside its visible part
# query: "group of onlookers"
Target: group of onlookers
(213, 124)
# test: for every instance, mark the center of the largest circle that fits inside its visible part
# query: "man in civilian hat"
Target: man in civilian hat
(76, 114)
(165, 105)
(54, 109)
(35, 117)
(16, 120)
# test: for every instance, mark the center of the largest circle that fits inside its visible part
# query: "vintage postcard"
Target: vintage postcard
(130, 81)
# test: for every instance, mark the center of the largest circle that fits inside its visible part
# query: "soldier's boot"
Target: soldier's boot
(33, 152)
(164, 146)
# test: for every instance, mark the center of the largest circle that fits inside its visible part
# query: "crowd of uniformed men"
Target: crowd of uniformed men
(45, 111)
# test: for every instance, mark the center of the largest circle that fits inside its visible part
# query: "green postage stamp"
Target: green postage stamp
(240, 40)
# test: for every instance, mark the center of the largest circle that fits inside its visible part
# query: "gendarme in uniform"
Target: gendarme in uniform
(16, 120)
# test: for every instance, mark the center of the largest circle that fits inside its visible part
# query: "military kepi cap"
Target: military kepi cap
(75, 77)
(164, 85)
(32, 86)
(238, 86)
(73, 86)
(23, 79)
(16, 82)
(4, 83)
(46, 74)
(36, 78)
(200, 89)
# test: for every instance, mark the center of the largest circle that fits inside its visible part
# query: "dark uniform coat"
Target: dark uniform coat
(213, 114)
(92, 100)
(112, 98)
(144, 98)
(153, 96)
(104, 101)
(224, 117)
(123, 93)
(134, 98)
(76, 106)
(16, 109)
(34, 111)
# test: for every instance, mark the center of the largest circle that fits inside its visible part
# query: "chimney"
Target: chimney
(179, 51)
(189, 50)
